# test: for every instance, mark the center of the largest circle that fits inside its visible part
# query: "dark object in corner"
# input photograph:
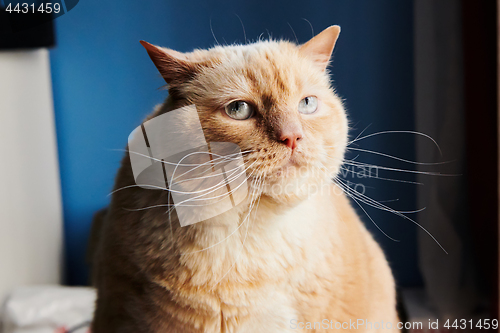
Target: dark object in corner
(25, 31)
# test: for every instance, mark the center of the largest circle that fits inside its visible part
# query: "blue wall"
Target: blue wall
(104, 84)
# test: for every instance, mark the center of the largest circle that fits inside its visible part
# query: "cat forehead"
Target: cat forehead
(257, 52)
(266, 73)
(274, 66)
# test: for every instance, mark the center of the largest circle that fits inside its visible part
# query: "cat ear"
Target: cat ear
(320, 47)
(172, 65)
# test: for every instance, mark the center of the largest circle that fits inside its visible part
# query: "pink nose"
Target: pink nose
(290, 138)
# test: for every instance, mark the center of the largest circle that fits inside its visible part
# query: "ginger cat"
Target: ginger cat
(303, 260)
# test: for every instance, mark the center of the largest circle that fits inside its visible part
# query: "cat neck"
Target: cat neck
(247, 240)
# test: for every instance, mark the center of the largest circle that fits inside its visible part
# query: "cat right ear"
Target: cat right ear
(320, 47)
(172, 65)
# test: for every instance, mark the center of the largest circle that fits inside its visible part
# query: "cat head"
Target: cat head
(273, 99)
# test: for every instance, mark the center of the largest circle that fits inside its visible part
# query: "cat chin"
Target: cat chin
(285, 199)
(292, 190)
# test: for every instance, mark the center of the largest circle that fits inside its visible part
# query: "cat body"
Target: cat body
(291, 255)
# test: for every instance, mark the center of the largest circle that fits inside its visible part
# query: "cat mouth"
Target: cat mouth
(290, 163)
(288, 166)
(283, 166)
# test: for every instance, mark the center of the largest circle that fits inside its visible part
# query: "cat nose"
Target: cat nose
(291, 137)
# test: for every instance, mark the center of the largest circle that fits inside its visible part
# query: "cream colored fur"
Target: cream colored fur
(302, 256)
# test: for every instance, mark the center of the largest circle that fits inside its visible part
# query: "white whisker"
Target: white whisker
(383, 207)
(232, 233)
(403, 132)
(395, 169)
(377, 177)
(243, 243)
(396, 158)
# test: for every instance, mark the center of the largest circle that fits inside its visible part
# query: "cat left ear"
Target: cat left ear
(172, 65)
(320, 47)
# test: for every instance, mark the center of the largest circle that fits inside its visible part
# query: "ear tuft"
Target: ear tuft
(172, 65)
(320, 47)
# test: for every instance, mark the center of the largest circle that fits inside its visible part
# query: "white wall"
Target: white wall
(30, 198)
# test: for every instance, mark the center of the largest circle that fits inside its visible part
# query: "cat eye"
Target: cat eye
(239, 110)
(308, 105)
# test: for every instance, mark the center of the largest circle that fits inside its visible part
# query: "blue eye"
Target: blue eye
(239, 110)
(308, 105)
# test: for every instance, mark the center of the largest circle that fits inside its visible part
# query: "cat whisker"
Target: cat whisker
(390, 200)
(185, 253)
(182, 203)
(377, 204)
(293, 31)
(312, 30)
(227, 237)
(222, 196)
(368, 215)
(222, 158)
(188, 165)
(401, 132)
(140, 185)
(355, 163)
(212, 31)
(360, 133)
(220, 187)
(215, 187)
(149, 186)
(386, 208)
(395, 157)
(269, 35)
(377, 177)
(211, 175)
(137, 185)
(243, 27)
(208, 173)
(148, 207)
(244, 239)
